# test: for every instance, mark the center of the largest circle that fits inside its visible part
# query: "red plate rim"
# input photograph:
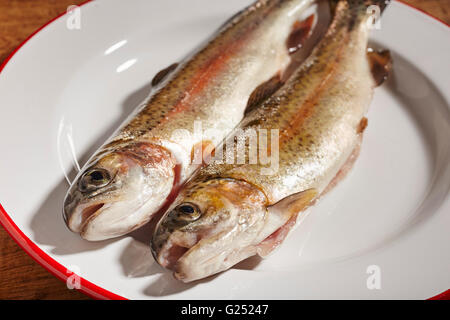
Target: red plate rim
(58, 269)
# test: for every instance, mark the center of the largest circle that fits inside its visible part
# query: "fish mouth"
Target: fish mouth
(174, 249)
(191, 256)
(82, 215)
(182, 258)
(89, 212)
(175, 252)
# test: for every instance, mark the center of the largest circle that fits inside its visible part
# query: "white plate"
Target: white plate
(392, 212)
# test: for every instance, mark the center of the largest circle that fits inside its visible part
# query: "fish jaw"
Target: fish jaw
(193, 257)
(215, 254)
(142, 177)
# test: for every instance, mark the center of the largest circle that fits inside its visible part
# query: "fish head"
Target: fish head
(210, 227)
(119, 190)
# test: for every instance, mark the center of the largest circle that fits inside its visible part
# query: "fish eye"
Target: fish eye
(188, 211)
(187, 208)
(94, 179)
(97, 175)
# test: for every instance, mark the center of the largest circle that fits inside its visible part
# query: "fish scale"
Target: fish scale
(310, 111)
(211, 88)
(176, 93)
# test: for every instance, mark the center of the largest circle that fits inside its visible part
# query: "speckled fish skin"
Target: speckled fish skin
(228, 212)
(133, 175)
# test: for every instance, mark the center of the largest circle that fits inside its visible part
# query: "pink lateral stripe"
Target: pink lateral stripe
(55, 267)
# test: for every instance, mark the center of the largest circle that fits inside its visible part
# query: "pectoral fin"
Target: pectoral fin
(301, 30)
(293, 204)
(282, 217)
(380, 64)
(202, 152)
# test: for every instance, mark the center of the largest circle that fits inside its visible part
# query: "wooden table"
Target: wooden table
(20, 276)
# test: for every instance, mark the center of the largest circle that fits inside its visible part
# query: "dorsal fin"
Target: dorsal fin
(262, 92)
(380, 64)
(161, 75)
(301, 30)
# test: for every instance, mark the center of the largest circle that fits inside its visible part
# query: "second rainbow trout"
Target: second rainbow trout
(228, 212)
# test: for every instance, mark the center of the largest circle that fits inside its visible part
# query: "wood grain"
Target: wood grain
(20, 276)
(437, 8)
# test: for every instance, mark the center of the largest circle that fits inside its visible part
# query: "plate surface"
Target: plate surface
(66, 90)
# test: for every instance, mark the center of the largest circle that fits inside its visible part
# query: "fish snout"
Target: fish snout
(170, 240)
(85, 197)
(75, 213)
(68, 207)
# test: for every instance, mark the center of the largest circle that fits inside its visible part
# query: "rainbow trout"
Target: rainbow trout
(228, 212)
(137, 172)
